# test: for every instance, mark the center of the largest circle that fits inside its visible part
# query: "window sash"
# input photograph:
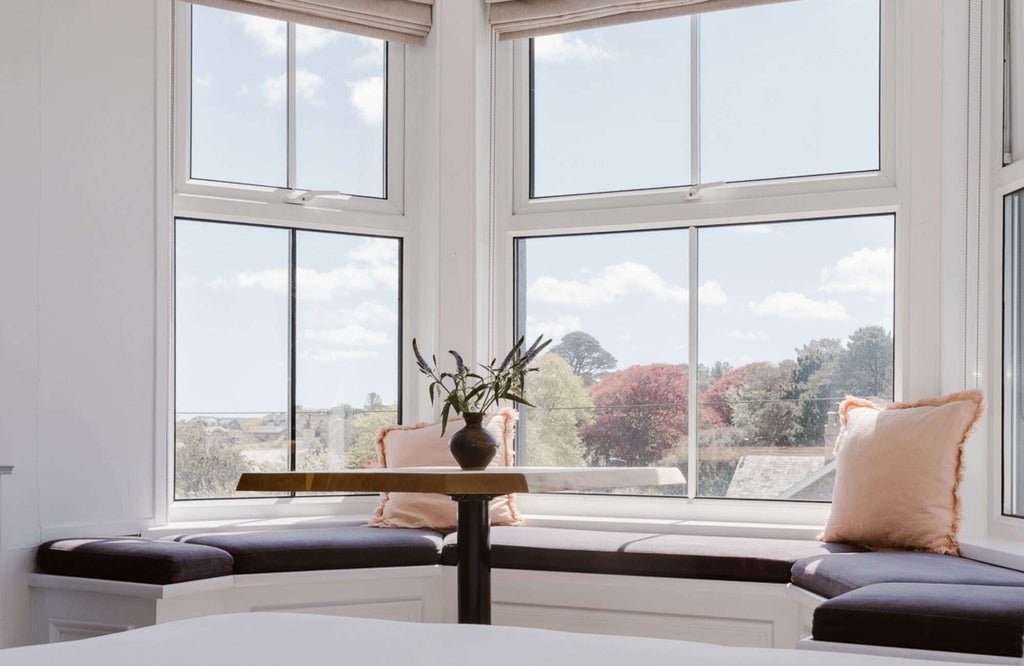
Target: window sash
(267, 202)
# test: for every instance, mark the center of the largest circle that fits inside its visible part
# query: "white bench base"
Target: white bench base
(723, 612)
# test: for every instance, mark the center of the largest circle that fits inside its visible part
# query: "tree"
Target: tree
(866, 367)
(716, 411)
(814, 383)
(561, 404)
(641, 415)
(206, 463)
(364, 426)
(585, 356)
(761, 408)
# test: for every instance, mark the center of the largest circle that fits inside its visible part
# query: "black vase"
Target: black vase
(473, 447)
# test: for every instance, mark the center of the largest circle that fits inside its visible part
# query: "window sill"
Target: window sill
(994, 550)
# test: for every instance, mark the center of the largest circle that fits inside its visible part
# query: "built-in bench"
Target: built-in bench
(912, 601)
(724, 589)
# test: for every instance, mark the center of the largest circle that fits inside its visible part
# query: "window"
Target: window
(287, 318)
(782, 90)
(286, 351)
(790, 318)
(1013, 337)
(288, 106)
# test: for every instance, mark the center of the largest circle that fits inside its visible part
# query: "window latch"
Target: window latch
(301, 198)
(694, 191)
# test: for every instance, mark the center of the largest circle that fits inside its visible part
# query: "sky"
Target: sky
(786, 89)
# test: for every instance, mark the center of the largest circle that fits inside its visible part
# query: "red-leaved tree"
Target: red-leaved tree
(641, 414)
(715, 410)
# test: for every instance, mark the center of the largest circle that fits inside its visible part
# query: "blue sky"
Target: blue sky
(786, 89)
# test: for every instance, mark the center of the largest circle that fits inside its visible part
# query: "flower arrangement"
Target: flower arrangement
(464, 391)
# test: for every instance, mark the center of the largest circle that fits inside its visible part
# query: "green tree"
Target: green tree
(866, 367)
(561, 404)
(207, 464)
(761, 406)
(585, 356)
(364, 426)
(814, 383)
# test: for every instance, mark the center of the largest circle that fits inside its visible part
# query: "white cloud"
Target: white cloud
(552, 328)
(749, 336)
(307, 87)
(272, 35)
(794, 305)
(866, 271)
(372, 313)
(562, 48)
(374, 264)
(610, 284)
(711, 293)
(275, 89)
(351, 335)
(367, 98)
(373, 53)
(309, 38)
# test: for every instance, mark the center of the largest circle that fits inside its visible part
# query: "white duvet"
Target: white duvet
(292, 639)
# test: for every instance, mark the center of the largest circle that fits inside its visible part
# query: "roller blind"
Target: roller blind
(406, 21)
(515, 19)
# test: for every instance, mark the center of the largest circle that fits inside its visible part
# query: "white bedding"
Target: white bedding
(292, 639)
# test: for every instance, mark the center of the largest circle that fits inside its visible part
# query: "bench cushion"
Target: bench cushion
(833, 575)
(974, 619)
(324, 548)
(133, 559)
(638, 554)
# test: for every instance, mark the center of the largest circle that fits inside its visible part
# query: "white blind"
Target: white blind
(515, 19)
(406, 21)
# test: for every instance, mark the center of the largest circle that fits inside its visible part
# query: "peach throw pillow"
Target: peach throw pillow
(898, 473)
(422, 445)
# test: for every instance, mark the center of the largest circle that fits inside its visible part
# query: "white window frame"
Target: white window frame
(189, 198)
(887, 191)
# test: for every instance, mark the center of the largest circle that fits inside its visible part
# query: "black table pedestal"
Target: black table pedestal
(474, 568)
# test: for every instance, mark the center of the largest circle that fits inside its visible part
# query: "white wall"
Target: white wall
(77, 268)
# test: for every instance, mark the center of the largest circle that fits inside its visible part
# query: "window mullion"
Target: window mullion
(695, 99)
(292, 415)
(292, 169)
(693, 406)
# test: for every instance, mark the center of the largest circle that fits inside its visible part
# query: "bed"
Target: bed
(293, 639)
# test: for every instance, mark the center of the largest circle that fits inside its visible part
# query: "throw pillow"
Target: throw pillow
(898, 473)
(422, 445)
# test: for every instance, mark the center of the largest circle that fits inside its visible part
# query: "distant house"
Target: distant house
(773, 476)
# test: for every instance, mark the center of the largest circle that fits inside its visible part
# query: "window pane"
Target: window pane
(789, 89)
(239, 98)
(346, 347)
(231, 355)
(801, 315)
(339, 110)
(1013, 485)
(613, 389)
(611, 108)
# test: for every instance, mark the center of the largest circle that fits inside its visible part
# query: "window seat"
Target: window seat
(639, 554)
(730, 590)
(911, 601)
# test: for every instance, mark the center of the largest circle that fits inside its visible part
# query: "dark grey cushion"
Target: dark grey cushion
(975, 619)
(832, 575)
(324, 548)
(132, 559)
(637, 554)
